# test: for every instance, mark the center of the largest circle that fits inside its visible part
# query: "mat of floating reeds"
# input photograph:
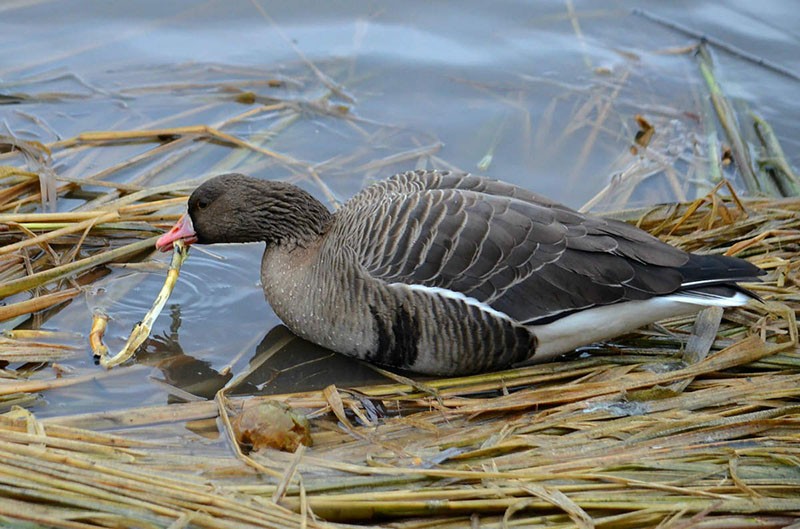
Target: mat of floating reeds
(690, 424)
(612, 440)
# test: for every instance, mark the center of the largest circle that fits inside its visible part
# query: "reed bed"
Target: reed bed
(693, 422)
(685, 424)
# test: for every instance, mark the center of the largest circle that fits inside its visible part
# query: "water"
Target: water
(540, 94)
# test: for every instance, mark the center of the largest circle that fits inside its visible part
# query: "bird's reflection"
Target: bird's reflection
(282, 363)
(289, 364)
(190, 377)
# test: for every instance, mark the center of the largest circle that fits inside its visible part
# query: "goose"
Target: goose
(446, 273)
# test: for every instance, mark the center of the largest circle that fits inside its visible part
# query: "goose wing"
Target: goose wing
(522, 254)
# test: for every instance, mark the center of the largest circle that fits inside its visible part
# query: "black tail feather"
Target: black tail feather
(719, 275)
(707, 270)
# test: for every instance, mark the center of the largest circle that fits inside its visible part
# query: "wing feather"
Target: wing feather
(518, 252)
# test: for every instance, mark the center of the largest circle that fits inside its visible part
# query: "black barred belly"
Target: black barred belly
(443, 336)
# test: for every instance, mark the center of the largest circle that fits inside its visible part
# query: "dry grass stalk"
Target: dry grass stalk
(201, 131)
(36, 304)
(141, 331)
(28, 351)
(38, 279)
(98, 330)
(114, 487)
(667, 428)
(605, 441)
(727, 119)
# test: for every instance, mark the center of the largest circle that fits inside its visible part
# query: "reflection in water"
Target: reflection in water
(295, 365)
(189, 376)
(283, 363)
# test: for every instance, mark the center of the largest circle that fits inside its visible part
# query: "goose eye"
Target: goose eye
(202, 204)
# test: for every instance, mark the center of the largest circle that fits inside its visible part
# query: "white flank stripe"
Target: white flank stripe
(452, 294)
(705, 282)
(709, 300)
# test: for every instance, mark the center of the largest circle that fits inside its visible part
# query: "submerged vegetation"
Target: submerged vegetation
(694, 422)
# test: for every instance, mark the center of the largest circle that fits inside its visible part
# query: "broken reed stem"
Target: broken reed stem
(64, 217)
(71, 222)
(774, 162)
(115, 490)
(73, 228)
(730, 48)
(34, 386)
(727, 119)
(159, 134)
(141, 331)
(36, 304)
(16, 286)
(96, 333)
(605, 106)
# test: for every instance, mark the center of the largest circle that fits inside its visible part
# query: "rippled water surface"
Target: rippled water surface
(542, 94)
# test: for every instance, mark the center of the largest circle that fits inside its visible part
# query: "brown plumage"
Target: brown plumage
(453, 273)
